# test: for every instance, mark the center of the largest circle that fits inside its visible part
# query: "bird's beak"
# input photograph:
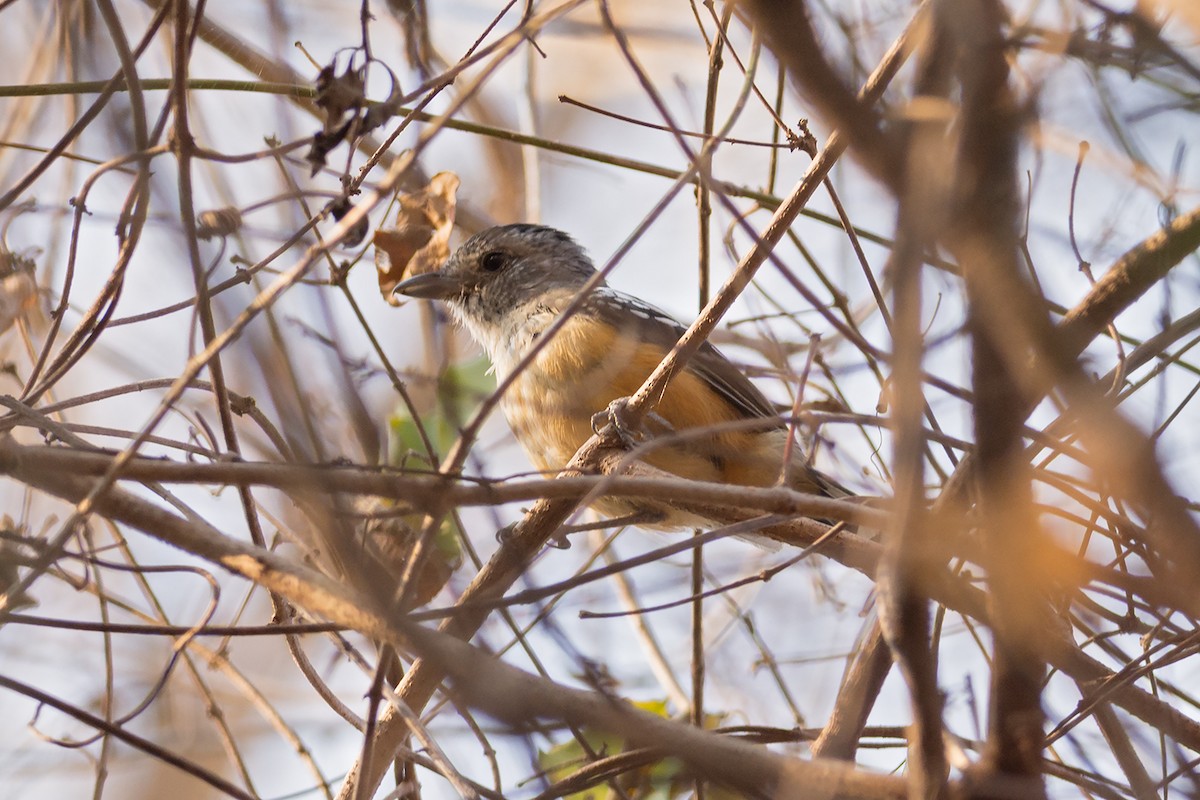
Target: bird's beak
(430, 286)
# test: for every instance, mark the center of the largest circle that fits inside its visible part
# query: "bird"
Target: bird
(507, 286)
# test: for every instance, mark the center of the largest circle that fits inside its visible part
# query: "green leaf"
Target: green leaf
(664, 779)
(460, 390)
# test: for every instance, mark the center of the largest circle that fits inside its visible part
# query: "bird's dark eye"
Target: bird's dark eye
(494, 261)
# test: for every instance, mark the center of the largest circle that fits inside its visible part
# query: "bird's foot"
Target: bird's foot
(558, 541)
(628, 429)
(621, 421)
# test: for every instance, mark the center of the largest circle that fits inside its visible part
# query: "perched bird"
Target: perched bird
(509, 284)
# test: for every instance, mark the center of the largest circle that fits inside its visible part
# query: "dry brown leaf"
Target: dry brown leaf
(18, 288)
(420, 240)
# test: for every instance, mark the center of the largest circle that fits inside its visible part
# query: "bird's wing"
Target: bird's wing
(657, 327)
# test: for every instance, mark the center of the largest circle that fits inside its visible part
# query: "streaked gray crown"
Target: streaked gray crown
(510, 265)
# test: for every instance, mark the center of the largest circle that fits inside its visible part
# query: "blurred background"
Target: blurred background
(108, 215)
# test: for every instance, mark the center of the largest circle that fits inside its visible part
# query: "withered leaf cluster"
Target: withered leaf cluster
(348, 114)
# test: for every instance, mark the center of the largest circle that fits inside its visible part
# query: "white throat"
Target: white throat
(508, 342)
